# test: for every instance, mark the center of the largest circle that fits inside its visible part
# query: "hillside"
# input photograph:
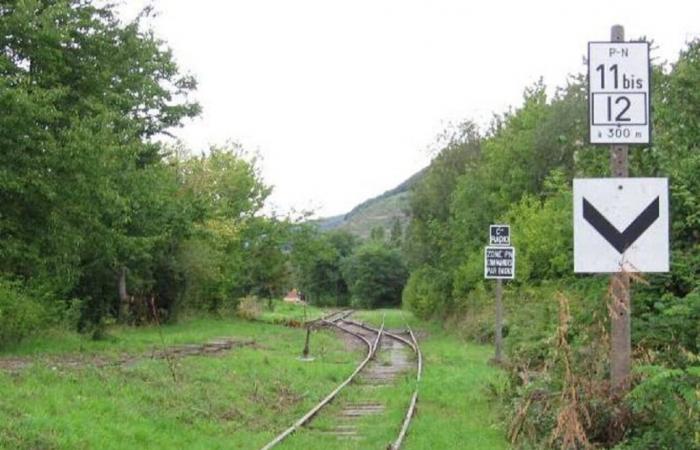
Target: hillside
(378, 211)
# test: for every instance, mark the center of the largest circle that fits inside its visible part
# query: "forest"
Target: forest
(105, 221)
(102, 222)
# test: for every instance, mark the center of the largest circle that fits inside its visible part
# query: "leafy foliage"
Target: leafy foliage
(375, 275)
(94, 208)
(20, 314)
(519, 172)
(666, 406)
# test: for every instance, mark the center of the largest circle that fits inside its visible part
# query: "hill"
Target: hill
(380, 211)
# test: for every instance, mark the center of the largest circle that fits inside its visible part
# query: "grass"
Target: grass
(284, 312)
(239, 399)
(455, 408)
(374, 431)
(242, 398)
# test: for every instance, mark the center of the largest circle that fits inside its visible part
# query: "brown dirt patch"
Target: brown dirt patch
(214, 347)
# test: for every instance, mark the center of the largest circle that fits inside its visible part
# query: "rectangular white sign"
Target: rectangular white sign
(499, 263)
(621, 223)
(618, 92)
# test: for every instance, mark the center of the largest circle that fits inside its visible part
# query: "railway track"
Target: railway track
(392, 346)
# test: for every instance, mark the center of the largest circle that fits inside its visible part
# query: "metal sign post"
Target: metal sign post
(498, 335)
(499, 264)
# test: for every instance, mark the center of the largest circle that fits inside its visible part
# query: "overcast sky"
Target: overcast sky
(343, 98)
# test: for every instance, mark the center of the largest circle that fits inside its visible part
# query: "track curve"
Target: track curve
(371, 349)
(340, 321)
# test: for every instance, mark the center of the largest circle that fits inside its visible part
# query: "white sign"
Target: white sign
(499, 235)
(618, 92)
(499, 263)
(621, 223)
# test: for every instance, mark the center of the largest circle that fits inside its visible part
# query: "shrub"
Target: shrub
(375, 275)
(20, 314)
(249, 308)
(426, 291)
(666, 409)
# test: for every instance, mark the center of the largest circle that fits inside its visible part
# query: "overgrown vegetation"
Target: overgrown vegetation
(236, 398)
(457, 405)
(519, 172)
(335, 268)
(103, 225)
(100, 221)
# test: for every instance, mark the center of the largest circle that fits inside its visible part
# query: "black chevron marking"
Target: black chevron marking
(621, 241)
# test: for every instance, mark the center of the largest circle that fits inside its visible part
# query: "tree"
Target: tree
(81, 96)
(263, 269)
(396, 234)
(376, 234)
(375, 275)
(316, 260)
(231, 251)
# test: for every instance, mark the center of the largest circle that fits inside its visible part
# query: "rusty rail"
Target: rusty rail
(371, 350)
(342, 314)
(414, 398)
(386, 333)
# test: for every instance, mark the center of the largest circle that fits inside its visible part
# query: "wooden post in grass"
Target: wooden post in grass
(305, 353)
(499, 265)
(499, 321)
(620, 334)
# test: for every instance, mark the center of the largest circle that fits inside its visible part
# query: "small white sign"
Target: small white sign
(499, 235)
(499, 263)
(618, 92)
(621, 223)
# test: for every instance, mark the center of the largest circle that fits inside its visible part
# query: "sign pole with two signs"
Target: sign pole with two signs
(499, 264)
(620, 224)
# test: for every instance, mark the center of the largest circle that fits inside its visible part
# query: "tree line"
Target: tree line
(336, 268)
(101, 221)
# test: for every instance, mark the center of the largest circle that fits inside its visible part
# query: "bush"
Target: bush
(426, 291)
(375, 275)
(666, 409)
(20, 314)
(249, 308)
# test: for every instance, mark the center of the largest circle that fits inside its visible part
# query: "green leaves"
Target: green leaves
(375, 275)
(316, 260)
(667, 409)
(85, 192)
(521, 175)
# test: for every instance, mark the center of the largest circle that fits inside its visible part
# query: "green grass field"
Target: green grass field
(455, 409)
(236, 399)
(283, 312)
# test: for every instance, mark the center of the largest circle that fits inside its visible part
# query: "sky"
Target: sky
(343, 100)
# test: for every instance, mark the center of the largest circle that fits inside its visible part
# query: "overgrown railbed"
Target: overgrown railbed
(231, 399)
(458, 405)
(237, 398)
